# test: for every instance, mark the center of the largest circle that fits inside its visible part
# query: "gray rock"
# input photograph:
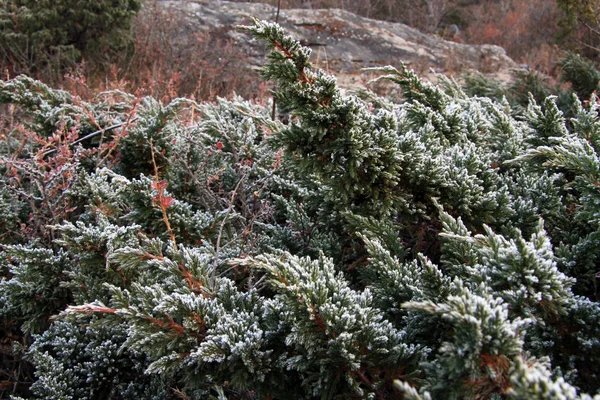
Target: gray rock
(343, 43)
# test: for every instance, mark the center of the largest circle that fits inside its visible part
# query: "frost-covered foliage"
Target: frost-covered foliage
(439, 248)
(88, 362)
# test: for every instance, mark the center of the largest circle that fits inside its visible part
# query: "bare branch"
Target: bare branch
(94, 134)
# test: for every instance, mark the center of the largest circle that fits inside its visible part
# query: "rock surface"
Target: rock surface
(343, 43)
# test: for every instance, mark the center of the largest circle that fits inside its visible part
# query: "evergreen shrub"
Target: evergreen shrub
(437, 248)
(45, 37)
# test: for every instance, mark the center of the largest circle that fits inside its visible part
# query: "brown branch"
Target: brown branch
(161, 203)
(180, 394)
(172, 325)
(90, 308)
(589, 46)
(596, 31)
(175, 326)
(194, 285)
(303, 77)
(363, 378)
(148, 256)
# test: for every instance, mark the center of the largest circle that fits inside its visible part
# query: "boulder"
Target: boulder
(343, 43)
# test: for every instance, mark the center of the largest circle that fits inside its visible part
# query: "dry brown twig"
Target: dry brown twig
(161, 200)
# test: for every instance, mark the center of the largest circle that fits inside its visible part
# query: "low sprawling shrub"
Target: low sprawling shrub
(435, 248)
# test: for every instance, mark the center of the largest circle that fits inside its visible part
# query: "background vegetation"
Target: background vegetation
(122, 44)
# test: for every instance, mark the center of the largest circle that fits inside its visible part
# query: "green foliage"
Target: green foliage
(32, 275)
(88, 363)
(581, 73)
(41, 36)
(525, 84)
(436, 248)
(578, 75)
(338, 130)
(475, 362)
(334, 329)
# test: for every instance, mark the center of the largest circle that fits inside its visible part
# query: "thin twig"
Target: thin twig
(276, 21)
(597, 32)
(125, 124)
(94, 134)
(589, 46)
(213, 278)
